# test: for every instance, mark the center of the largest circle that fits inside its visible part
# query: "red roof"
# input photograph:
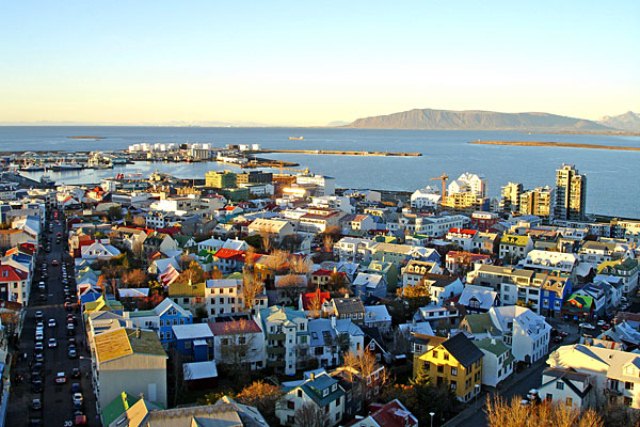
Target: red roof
(469, 255)
(11, 274)
(234, 327)
(467, 231)
(308, 297)
(394, 414)
(225, 253)
(171, 231)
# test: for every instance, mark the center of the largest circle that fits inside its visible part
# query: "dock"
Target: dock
(343, 153)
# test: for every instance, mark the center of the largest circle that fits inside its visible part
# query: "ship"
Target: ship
(32, 168)
(64, 167)
(296, 138)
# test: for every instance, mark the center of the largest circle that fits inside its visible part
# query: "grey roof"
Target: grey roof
(463, 349)
(348, 305)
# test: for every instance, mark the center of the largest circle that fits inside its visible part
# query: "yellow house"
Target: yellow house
(456, 362)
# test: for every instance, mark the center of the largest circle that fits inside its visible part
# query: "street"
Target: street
(518, 384)
(57, 405)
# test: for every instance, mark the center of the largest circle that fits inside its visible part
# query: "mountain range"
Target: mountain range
(430, 119)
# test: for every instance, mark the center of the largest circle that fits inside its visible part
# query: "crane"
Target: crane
(444, 177)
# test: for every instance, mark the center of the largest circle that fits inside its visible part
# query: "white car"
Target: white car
(601, 322)
(52, 343)
(77, 398)
(587, 326)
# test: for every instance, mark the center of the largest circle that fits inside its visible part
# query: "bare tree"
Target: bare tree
(299, 264)
(251, 289)
(278, 260)
(236, 345)
(514, 414)
(309, 415)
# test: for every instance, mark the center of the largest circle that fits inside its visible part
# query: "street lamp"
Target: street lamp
(432, 414)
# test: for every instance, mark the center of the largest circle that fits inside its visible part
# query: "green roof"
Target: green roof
(148, 343)
(185, 289)
(480, 323)
(117, 407)
(492, 345)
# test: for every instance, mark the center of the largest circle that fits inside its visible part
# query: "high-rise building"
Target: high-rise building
(538, 201)
(571, 194)
(510, 200)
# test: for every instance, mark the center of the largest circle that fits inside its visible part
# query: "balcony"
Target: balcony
(276, 351)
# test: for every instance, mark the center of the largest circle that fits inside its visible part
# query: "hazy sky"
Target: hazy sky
(310, 63)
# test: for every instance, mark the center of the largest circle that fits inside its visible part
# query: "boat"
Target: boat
(64, 167)
(46, 180)
(296, 138)
(32, 168)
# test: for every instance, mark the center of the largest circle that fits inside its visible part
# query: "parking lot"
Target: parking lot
(38, 397)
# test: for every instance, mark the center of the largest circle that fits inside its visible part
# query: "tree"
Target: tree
(194, 274)
(278, 260)
(236, 346)
(501, 413)
(309, 415)
(134, 278)
(365, 363)
(114, 213)
(299, 265)
(251, 289)
(415, 296)
(263, 396)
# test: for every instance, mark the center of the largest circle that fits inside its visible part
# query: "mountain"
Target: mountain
(628, 121)
(429, 119)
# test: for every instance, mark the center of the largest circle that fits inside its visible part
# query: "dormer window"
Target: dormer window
(334, 387)
(325, 392)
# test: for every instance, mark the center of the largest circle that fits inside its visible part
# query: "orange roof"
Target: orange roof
(456, 230)
(225, 253)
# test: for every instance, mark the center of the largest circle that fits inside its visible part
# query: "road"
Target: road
(57, 406)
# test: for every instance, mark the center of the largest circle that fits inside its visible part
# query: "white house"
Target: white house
(99, 251)
(568, 387)
(527, 333)
(497, 363)
(321, 392)
(427, 197)
(614, 373)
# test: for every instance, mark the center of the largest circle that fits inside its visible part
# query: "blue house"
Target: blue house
(161, 319)
(194, 342)
(554, 291)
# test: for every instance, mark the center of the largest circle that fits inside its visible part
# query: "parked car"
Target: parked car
(585, 325)
(55, 263)
(77, 398)
(39, 315)
(72, 353)
(601, 322)
(38, 347)
(52, 323)
(61, 378)
(39, 357)
(36, 404)
(75, 388)
(52, 343)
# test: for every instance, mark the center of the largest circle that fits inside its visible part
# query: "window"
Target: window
(454, 386)
(569, 401)
(628, 385)
(299, 393)
(549, 397)
(440, 369)
(291, 405)
(435, 354)
(559, 385)
(454, 371)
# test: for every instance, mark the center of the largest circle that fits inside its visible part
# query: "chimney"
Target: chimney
(313, 376)
(493, 341)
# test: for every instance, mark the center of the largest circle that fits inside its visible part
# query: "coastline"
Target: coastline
(556, 144)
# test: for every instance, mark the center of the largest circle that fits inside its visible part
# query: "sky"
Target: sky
(311, 63)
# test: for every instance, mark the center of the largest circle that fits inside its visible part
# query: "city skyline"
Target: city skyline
(286, 63)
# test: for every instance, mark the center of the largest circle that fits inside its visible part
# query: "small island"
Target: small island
(557, 144)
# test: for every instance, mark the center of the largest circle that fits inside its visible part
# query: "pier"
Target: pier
(557, 144)
(344, 153)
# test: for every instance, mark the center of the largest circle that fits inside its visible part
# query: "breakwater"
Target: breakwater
(557, 144)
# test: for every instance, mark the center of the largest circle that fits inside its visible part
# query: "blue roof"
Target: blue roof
(89, 297)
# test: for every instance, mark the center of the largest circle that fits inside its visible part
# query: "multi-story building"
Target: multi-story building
(286, 336)
(538, 202)
(415, 271)
(565, 386)
(497, 363)
(132, 360)
(543, 292)
(614, 373)
(15, 284)
(571, 194)
(239, 342)
(322, 393)
(215, 179)
(160, 319)
(514, 247)
(457, 363)
(425, 198)
(510, 197)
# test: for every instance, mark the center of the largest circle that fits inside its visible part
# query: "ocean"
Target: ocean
(613, 176)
